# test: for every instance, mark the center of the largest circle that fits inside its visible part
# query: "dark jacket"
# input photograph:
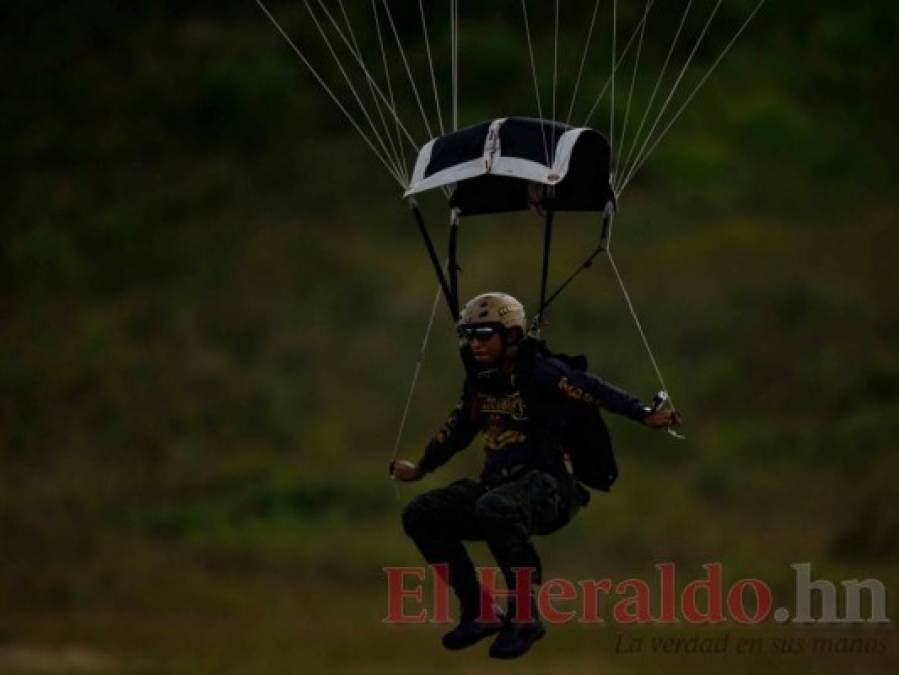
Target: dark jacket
(563, 402)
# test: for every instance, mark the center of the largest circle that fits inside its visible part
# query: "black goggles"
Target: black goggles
(481, 331)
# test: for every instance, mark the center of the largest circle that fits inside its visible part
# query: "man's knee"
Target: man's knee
(421, 515)
(413, 516)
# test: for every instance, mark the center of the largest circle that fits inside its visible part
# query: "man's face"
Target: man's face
(486, 350)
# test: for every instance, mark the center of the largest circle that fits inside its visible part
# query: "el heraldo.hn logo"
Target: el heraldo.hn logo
(705, 600)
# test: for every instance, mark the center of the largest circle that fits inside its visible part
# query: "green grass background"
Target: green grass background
(212, 299)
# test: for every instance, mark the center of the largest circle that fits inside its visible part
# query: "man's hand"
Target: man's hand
(405, 471)
(662, 419)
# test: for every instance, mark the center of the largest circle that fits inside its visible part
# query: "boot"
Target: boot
(470, 630)
(516, 637)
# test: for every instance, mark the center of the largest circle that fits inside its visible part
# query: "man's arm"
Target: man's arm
(616, 399)
(455, 434)
(591, 390)
(619, 401)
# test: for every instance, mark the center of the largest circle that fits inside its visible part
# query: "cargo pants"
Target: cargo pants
(505, 516)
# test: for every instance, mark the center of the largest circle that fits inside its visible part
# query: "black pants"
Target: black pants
(505, 516)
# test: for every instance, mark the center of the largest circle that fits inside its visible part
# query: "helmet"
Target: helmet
(500, 308)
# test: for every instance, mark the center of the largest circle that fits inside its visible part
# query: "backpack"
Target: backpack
(579, 429)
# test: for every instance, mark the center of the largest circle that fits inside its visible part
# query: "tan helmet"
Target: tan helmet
(494, 307)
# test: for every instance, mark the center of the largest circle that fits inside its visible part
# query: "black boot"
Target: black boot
(470, 631)
(516, 637)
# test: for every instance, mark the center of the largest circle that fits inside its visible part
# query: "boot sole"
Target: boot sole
(474, 641)
(515, 655)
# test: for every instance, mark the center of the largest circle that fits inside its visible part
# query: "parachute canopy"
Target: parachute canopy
(515, 163)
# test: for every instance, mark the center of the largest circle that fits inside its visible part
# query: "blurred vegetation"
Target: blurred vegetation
(212, 299)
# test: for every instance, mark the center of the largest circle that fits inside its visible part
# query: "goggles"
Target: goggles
(481, 331)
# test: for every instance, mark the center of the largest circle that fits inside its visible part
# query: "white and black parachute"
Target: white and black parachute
(515, 163)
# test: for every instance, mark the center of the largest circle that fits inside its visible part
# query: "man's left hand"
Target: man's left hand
(662, 419)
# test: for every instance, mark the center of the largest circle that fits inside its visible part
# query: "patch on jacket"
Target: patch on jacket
(577, 393)
(512, 405)
(497, 438)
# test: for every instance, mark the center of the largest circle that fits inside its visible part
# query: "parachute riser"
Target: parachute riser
(449, 287)
(547, 244)
(608, 215)
(452, 265)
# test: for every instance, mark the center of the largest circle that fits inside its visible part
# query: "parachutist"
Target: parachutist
(545, 440)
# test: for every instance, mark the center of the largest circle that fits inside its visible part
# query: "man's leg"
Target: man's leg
(438, 521)
(509, 514)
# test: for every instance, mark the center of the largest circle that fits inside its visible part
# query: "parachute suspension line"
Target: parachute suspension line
(399, 44)
(453, 60)
(630, 94)
(454, 48)
(689, 99)
(442, 272)
(555, 77)
(344, 72)
(580, 70)
(658, 84)
(633, 311)
(527, 30)
(395, 152)
(450, 268)
(612, 107)
(346, 76)
(605, 86)
(368, 75)
(415, 373)
(680, 77)
(376, 12)
(398, 177)
(391, 104)
(424, 29)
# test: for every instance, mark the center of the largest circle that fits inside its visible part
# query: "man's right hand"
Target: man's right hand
(405, 471)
